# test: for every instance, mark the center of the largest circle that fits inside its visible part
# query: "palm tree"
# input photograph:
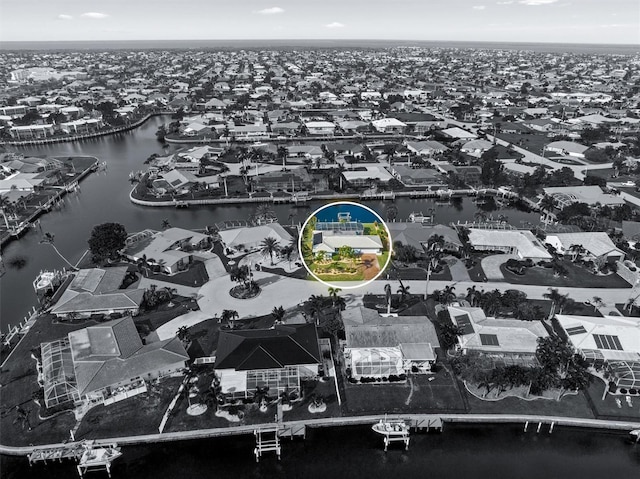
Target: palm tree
(597, 303)
(278, 314)
(558, 301)
(333, 294)
(392, 212)
(473, 296)
(448, 294)
(576, 251)
(143, 265)
(282, 153)
(268, 246)
(403, 291)
(165, 224)
(48, 238)
(387, 292)
(229, 316)
(183, 334)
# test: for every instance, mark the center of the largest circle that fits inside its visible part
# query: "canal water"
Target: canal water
(104, 197)
(461, 451)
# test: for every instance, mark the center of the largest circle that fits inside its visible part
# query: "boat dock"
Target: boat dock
(89, 457)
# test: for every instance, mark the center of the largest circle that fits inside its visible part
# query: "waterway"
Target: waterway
(491, 452)
(104, 197)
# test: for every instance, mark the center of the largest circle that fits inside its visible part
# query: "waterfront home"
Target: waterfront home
(389, 125)
(82, 126)
(96, 291)
(506, 341)
(611, 344)
(566, 195)
(320, 128)
(417, 176)
(178, 180)
(170, 251)
(292, 180)
(250, 237)
(22, 182)
(593, 246)
(105, 363)
(277, 359)
(520, 243)
(379, 346)
(330, 242)
(32, 132)
(367, 174)
(418, 235)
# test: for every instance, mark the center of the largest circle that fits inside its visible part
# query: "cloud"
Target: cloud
(507, 2)
(335, 25)
(94, 15)
(537, 2)
(479, 7)
(64, 16)
(270, 11)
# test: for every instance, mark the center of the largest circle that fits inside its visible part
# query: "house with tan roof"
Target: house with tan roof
(596, 245)
(521, 243)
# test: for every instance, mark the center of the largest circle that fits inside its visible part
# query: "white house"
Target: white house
(389, 125)
(323, 128)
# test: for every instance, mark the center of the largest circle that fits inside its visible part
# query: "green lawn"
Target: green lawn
(577, 277)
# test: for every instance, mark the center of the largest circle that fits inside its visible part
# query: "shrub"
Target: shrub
(633, 391)
(402, 377)
(623, 390)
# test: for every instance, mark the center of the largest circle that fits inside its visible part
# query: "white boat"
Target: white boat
(420, 218)
(99, 456)
(391, 428)
(635, 435)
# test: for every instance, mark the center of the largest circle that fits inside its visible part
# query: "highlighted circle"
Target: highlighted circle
(344, 207)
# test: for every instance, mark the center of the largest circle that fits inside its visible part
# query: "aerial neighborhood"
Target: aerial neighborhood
(504, 261)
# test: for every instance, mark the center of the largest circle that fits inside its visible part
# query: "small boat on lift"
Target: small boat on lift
(388, 427)
(420, 218)
(635, 435)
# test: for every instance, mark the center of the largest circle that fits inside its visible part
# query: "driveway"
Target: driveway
(458, 270)
(491, 266)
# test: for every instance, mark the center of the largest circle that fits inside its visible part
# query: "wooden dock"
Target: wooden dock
(270, 443)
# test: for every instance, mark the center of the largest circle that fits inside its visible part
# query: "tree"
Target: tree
(183, 334)
(333, 294)
(228, 316)
(268, 246)
(403, 291)
(597, 303)
(392, 212)
(558, 301)
(165, 224)
(449, 333)
(106, 241)
(278, 314)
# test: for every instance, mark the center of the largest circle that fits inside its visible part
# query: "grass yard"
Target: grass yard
(568, 406)
(137, 415)
(195, 276)
(417, 394)
(607, 408)
(577, 277)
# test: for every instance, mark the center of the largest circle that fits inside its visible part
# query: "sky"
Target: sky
(562, 21)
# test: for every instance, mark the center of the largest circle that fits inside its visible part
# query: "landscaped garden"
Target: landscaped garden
(562, 273)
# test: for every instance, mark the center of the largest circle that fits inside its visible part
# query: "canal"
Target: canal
(477, 451)
(104, 197)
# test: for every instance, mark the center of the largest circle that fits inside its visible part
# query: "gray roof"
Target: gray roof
(365, 328)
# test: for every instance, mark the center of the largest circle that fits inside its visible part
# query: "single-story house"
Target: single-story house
(508, 341)
(365, 174)
(106, 363)
(597, 245)
(566, 195)
(611, 343)
(426, 148)
(97, 291)
(170, 250)
(417, 235)
(250, 237)
(521, 243)
(389, 125)
(378, 346)
(569, 148)
(277, 359)
(330, 242)
(323, 128)
(416, 176)
(476, 148)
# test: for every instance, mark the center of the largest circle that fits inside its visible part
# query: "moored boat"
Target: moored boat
(635, 435)
(391, 428)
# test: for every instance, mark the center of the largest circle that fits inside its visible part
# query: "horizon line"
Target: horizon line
(3, 43)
